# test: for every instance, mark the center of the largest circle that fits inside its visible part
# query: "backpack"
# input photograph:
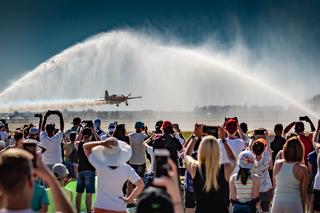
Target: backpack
(241, 208)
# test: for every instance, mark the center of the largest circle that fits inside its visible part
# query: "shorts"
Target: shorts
(140, 169)
(265, 201)
(189, 201)
(316, 201)
(86, 180)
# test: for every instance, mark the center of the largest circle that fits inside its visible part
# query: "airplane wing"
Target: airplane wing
(134, 97)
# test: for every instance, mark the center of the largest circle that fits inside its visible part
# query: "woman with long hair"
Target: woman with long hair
(244, 186)
(210, 178)
(121, 133)
(290, 179)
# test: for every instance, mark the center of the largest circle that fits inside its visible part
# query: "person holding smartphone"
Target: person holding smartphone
(51, 139)
(305, 138)
(210, 176)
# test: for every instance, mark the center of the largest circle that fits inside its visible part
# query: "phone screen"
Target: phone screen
(161, 162)
(211, 130)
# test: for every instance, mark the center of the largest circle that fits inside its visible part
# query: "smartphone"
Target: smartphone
(32, 148)
(88, 123)
(260, 132)
(302, 118)
(37, 115)
(161, 162)
(210, 130)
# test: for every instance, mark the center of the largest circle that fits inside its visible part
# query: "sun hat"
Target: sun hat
(40, 149)
(246, 159)
(115, 156)
(139, 125)
(261, 140)
(33, 131)
(60, 170)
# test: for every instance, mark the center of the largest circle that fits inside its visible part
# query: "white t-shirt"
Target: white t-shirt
(53, 145)
(151, 153)
(237, 146)
(261, 169)
(138, 150)
(16, 211)
(110, 183)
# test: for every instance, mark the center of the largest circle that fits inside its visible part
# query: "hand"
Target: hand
(170, 182)
(109, 142)
(127, 199)
(222, 132)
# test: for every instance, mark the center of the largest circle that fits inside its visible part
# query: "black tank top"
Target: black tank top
(214, 200)
(84, 163)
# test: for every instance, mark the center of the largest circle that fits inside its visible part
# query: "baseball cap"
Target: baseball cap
(76, 121)
(231, 125)
(261, 140)
(154, 200)
(139, 125)
(246, 159)
(166, 124)
(60, 170)
(33, 130)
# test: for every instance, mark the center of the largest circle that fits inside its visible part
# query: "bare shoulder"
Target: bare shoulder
(300, 167)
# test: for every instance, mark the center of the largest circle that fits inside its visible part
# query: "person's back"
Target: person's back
(237, 145)
(171, 143)
(277, 145)
(67, 192)
(40, 199)
(84, 163)
(244, 192)
(288, 187)
(307, 143)
(213, 200)
(138, 151)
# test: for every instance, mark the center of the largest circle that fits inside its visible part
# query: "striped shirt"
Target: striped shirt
(244, 192)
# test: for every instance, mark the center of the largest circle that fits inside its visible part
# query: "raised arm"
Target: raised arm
(40, 123)
(288, 128)
(311, 124)
(59, 114)
(45, 120)
(87, 147)
(61, 202)
(315, 141)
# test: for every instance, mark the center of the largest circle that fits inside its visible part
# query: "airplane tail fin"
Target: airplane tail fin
(106, 95)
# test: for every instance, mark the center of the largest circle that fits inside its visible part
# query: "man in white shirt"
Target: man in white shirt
(51, 140)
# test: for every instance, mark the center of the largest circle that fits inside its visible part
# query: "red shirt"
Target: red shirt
(307, 142)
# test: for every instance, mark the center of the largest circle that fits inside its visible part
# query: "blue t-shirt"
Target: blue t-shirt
(40, 197)
(312, 158)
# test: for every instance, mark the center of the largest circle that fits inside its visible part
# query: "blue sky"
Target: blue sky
(33, 31)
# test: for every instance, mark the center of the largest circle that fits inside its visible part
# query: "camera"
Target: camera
(260, 132)
(210, 130)
(87, 123)
(161, 162)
